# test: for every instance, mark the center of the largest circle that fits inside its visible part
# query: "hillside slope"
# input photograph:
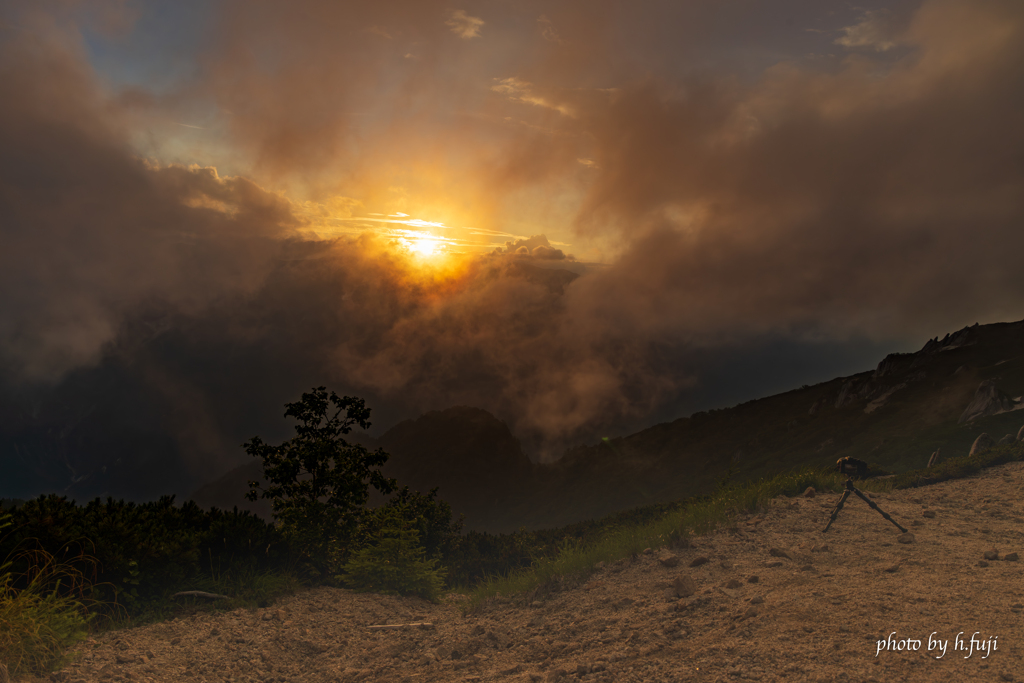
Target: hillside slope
(814, 612)
(894, 417)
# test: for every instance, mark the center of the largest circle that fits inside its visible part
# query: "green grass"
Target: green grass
(576, 561)
(40, 622)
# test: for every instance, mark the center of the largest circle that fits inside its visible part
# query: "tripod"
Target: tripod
(850, 488)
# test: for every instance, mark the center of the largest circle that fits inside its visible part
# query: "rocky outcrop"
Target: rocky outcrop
(988, 400)
(983, 443)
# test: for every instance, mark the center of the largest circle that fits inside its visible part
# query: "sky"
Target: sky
(585, 217)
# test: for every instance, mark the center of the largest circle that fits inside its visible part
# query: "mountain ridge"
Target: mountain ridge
(894, 416)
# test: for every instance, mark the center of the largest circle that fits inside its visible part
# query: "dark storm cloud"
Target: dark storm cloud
(90, 231)
(882, 197)
(879, 194)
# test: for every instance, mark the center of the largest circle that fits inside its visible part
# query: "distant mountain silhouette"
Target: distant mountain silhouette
(894, 416)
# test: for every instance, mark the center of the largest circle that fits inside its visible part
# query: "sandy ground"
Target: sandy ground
(855, 604)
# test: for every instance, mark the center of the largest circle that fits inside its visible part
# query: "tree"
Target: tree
(319, 482)
(395, 564)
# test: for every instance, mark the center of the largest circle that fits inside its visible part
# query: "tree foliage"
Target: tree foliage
(319, 482)
(395, 564)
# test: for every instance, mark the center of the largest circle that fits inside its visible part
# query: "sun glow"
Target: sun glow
(424, 246)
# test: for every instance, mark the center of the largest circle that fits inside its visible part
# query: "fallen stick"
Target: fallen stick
(201, 594)
(392, 627)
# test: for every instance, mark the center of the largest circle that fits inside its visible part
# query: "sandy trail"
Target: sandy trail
(816, 615)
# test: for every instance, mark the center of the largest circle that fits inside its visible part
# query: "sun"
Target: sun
(424, 246)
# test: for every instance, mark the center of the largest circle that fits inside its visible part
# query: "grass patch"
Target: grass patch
(40, 622)
(960, 467)
(575, 561)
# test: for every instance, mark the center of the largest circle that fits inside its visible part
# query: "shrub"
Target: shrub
(394, 565)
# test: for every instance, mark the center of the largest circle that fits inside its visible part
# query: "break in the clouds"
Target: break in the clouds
(878, 29)
(551, 223)
(464, 25)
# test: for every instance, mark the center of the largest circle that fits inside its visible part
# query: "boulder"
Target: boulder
(983, 443)
(988, 400)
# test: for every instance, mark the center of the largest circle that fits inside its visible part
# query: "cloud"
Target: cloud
(880, 30)
(547, 30)
(521, 91)
(877, 197)
(94, 232)
(464, 25)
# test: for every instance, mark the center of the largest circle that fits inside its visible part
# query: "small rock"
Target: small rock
(730, 592)
(917, 522)
(599, 566)
(698, 561)
(684, 586)
(753, 578)
(906, 538)
(1008, 439)
(756, 600)
(823, 548)
(582, 669)
(982, 563)
(536, 603)
(807, 568)
(773, 564)
(893, 568)
(810, 492)
(647, 551)
(726, 564)
(733, 583)
(555, 674)
(752, 611)
(780, 552)
(991, 555)
(670, 561)
(1006, 677)
(267, 616)
(1011, 557)
(930, 514)
(175, 641)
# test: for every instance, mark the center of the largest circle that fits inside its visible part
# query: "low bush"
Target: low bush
(396, 564)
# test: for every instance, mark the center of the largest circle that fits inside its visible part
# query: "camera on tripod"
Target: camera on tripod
(852, 467)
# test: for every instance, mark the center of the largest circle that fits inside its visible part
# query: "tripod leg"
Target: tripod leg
(838, 507)
(874, 506)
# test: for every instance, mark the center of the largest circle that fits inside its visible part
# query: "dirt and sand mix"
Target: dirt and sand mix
(771, 598)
